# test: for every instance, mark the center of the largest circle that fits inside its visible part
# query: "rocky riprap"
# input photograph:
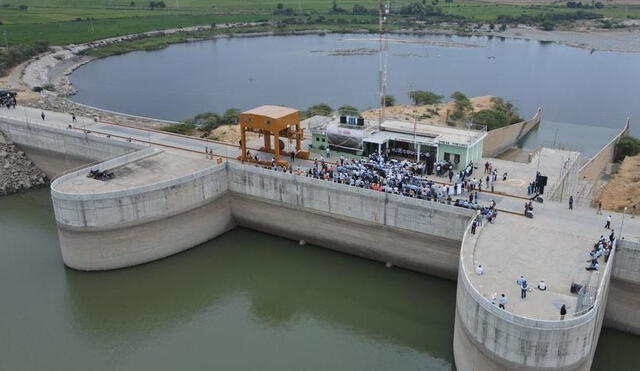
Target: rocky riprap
(17, 172)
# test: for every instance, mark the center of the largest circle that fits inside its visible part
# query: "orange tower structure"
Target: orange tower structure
(276, 121)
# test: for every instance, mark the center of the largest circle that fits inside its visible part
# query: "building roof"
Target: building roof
(274, 112)
(440, 134)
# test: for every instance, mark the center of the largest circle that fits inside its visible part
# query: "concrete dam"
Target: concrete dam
(162, 201)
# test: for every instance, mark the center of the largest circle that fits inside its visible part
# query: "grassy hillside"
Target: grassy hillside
(73, 21)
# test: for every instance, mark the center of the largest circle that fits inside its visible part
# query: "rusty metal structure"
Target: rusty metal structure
(272, 121)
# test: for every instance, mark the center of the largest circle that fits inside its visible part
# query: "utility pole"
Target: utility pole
(383, 45)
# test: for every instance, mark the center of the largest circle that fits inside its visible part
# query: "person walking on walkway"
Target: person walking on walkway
(608, 224)
(570, 202)
(473, 226)
(328, 151)
(599, 211)
(563, 311)
(502, 302)
(42, 115)
(73, 117)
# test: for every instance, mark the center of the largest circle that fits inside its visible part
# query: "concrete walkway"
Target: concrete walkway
(553, 246)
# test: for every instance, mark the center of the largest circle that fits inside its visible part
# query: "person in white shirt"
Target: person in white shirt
(502, 302)
(542, 286)
(479, 270)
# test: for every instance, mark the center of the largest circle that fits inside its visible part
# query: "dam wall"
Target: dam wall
(489, 338)
(591, 170)
(415, 234)
(148, 222)
(55, 150)
(623, 306)
(100, 231)
(499, 140)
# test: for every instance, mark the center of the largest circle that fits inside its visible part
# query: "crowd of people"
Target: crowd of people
(602, 248)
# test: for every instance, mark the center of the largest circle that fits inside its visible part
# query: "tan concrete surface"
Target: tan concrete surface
(553, 246)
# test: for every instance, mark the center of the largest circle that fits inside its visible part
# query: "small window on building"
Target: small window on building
(456, 159)
(323, 140)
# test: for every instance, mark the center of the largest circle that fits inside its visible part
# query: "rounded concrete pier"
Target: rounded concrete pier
(156, 205)
(529, 334)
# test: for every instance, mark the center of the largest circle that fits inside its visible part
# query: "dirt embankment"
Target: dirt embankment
(624, 188)
(434, 114)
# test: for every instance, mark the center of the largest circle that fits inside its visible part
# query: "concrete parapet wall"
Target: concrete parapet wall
(623, 305)
(592, 169)
(54, 150)
(339, 200)
(136, 205)
(489, 338)
(499, 140)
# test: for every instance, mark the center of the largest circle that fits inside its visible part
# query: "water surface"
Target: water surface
(572, 85)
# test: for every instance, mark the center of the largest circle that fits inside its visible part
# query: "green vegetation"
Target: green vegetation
(182, 128)
(74, 21)
(389, 101)
(421, 97)
(627, 146)
(207, 121)
(349, 111)
(502, 114)
(462, 103)
(15, 55)
(321, 109)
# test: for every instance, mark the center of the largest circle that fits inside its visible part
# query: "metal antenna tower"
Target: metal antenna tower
(383, 45)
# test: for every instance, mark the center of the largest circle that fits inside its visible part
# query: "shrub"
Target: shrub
(230, 117)
(627, 146)
(349, 110)
(206, 121)
(389, 101)
(321, 109)
(421, 97)
(462, 102)
(492, 118)
(182, 128)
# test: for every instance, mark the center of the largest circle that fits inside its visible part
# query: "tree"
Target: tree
(280, 6)
(492, 118)
(321, 109)
(347, 110)
(627, 146)
(503, 27)
(421, 97)
(461, 100)
(599, 5)
(230, 117)
(206, 121)
(389, 101)
(23, 7)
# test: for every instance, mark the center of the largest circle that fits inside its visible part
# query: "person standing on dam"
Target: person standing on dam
(502, 302)
(523, 289)
(570, 202)
(563, 311)
(608, 223)
(42, 115)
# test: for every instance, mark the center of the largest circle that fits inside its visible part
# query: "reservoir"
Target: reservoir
(243, 301)
(573, 85)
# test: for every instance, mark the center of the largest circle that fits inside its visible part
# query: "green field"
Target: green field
(74, 21)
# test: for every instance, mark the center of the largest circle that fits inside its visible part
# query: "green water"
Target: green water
(244, 301)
